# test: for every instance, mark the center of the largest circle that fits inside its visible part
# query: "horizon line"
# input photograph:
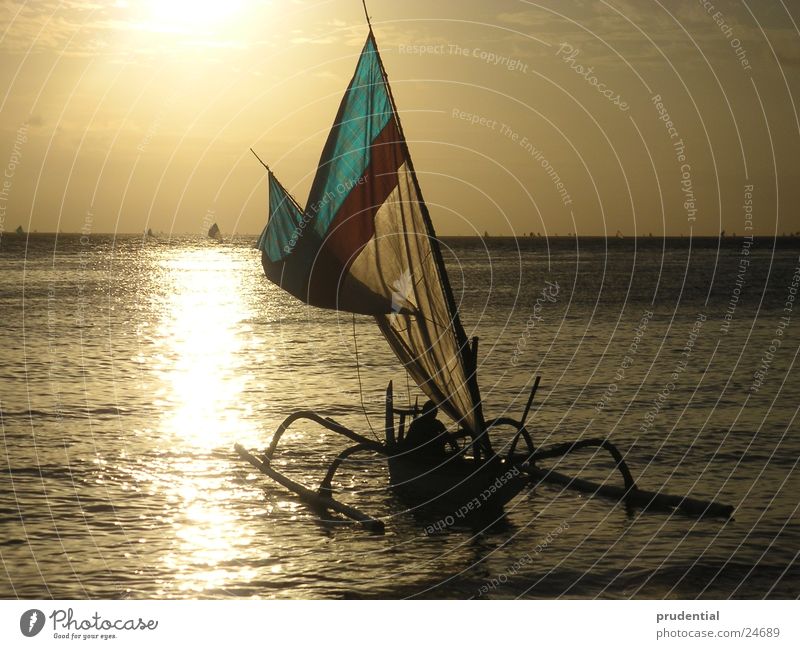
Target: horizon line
(734, 235)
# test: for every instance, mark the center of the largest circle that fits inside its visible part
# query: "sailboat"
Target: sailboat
(365, 244)
(214, 233)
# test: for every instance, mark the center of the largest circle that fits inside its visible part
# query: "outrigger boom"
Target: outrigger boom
(524, 463)
(316, 499)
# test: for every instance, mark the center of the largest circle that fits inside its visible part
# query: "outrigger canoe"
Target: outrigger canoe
(365, 244)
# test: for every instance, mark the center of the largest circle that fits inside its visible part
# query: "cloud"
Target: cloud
(81, 28)
(43, 25)
(639, 30)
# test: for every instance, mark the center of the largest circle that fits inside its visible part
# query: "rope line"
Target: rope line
(360, 387)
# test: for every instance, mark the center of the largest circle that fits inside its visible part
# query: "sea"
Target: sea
(132, 365)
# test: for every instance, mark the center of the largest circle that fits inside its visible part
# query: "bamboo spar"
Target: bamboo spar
(311, 497)
(264, 164)
(366, 13)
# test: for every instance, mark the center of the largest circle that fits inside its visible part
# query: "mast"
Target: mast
(272, 176)
(468, 358)
(366, 13)
(264, 164)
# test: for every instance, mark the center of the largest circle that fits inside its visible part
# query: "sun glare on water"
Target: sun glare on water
(203, 332)
(201, 371)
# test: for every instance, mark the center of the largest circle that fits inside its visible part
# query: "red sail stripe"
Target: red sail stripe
(354, 223)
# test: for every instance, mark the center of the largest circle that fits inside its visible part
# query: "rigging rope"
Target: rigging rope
(360, 387)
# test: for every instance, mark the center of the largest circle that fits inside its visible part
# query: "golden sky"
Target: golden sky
(118, 116)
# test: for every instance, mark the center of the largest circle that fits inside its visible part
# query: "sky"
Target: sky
(665, 117)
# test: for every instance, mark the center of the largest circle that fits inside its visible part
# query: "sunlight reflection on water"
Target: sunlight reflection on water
(201, 335)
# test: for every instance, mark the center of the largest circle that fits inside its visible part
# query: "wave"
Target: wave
(66, 413)
(702, 580)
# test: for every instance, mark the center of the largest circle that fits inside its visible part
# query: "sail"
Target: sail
(365, 244)
(214, 233)
(283, 261)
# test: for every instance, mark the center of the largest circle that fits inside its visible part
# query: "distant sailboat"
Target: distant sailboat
(214, 233)
(365, 244)
(19, 230)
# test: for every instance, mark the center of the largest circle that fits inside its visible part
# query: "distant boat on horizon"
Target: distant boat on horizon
(214, 233)
(19, 230)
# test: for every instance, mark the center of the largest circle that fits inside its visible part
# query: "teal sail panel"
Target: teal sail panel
(364, 112)
(285, 223)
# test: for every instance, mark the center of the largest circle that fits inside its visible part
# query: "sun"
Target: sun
(191, 15)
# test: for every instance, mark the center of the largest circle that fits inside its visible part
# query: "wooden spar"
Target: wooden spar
(322, 421)
(629, 493)
(310, 497)
(483, 443)
(650, 500)
(473, 354)
(389, 421)
(259, 159)
(366, 13)
(325, 487)
(530, 401)
(559, 450)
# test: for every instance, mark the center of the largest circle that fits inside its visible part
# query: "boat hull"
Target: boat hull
(456, 490)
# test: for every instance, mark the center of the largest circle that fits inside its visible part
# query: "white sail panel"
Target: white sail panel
(421, 331)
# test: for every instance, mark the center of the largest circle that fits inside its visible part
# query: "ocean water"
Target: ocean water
(130, 368)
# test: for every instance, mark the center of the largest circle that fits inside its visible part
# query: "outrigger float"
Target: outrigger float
(365, 244)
